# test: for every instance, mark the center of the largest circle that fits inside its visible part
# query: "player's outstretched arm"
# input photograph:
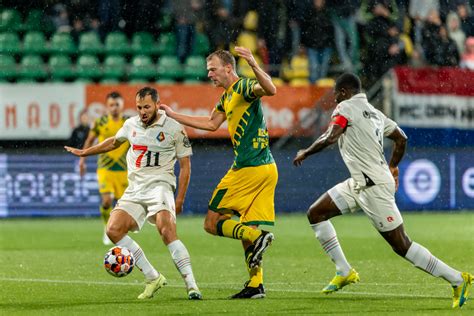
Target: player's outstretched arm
(207, 123)
(329, 137)
(109, 144)
(265, 85)
(399, 146)
(183, 182)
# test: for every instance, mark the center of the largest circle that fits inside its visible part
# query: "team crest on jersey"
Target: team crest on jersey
(160, 137)
(134, 133)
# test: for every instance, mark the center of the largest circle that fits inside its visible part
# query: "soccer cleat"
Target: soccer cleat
(339, 281)
(260, 245)
(194, 294)
(250, 292)
(461, 292)
(152, 286)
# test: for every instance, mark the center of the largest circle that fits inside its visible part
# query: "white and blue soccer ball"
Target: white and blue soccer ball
(119, 261)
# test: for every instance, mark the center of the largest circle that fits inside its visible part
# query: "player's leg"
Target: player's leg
(166, 225)
(105, 210)
(378, 202)
(131, 218)
(422, 258)
(105, 182)
(253, 288)
(260, 211)
(235, 195)
(333, 203)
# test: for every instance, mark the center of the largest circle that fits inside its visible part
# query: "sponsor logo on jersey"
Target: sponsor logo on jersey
(369, 115)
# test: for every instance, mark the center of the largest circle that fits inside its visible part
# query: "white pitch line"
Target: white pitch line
(219, 286)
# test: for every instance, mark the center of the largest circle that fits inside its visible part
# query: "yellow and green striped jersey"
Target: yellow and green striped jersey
(105, 127)
(246, 124)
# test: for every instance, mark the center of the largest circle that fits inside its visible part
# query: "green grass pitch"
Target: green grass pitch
(54, 266)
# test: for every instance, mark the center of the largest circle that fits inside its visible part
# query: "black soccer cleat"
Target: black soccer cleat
(260, 245)
(250, 292)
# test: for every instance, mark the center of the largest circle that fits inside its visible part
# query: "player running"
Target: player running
(248, 188)
(156, 142)
(111, 166)
(359, 129)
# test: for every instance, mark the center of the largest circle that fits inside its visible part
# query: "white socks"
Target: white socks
(423, 259)
(140, 259)
(181, 259)
(326, 234)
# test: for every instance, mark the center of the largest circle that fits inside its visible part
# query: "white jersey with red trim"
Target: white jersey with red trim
(153, 152)
(361, 144)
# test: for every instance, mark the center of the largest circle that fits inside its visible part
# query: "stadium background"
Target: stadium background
(58, 58)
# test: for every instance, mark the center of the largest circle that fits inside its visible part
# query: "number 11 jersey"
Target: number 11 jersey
(153, 152)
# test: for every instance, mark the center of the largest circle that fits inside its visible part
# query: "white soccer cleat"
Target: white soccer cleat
(151, 287)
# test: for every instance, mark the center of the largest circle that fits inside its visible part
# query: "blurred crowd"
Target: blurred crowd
(364, 36)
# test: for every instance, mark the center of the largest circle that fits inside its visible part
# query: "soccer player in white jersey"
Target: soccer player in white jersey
(156, 142)
(359, 129)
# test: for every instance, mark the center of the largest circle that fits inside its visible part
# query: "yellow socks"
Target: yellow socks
(255, 274)
(233, 229)
(105, 214)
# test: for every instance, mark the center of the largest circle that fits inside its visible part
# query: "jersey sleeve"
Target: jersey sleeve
(343, 109)
(95, 127)
(123, 133)
(389, 126)
(247, 88)
(220, 105)
(182, 144)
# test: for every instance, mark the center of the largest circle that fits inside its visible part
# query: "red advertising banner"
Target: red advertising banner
(282, 111)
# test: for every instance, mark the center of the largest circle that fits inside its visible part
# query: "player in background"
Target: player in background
(248, 188)
(156, 142)
(111, 166)
(359, 129)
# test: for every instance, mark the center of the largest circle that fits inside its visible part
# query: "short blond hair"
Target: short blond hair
(225, 56)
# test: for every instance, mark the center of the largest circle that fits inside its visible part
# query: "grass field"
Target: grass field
(54, 266)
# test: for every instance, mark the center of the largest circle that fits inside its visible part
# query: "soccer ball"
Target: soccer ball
(119, 261)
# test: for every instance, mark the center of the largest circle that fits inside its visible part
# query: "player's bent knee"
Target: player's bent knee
(115, 232)
(168, 235)
(210, 226)
(314, 216)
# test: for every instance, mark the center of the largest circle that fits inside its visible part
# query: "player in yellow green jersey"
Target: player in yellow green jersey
(111, 166)
(248, 188)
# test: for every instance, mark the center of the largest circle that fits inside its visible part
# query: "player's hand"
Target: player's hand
(179, 206)
(394, 172)
(75, 151)
(246, 54)
(82, 167)
(300, 156)
(169, 111)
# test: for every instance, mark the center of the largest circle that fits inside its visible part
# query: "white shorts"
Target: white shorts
(377, 201)
(148, 204)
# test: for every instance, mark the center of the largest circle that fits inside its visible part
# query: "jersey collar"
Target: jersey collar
(232, 85)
